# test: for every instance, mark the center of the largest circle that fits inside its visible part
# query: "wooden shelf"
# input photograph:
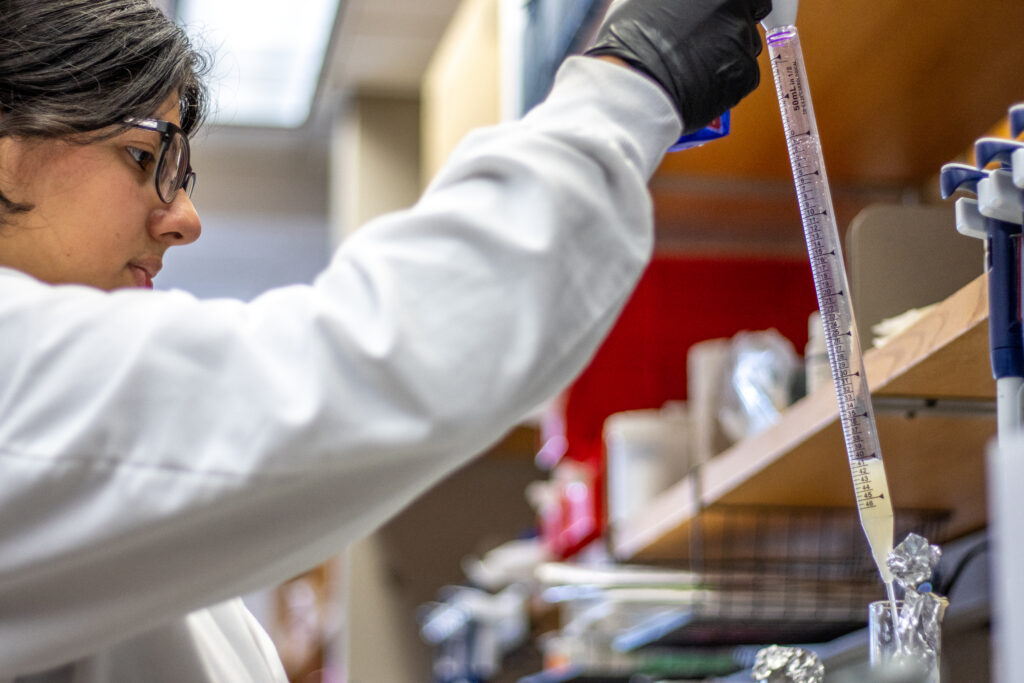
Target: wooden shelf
(894, 101)
(935, 458)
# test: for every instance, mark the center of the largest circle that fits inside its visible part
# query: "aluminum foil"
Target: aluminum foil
(920, 624)
(913, 561)
(775, 664)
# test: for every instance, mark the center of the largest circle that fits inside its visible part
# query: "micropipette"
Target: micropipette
(999, 204)
(995, 217)
(1016, 120)
(829, 273)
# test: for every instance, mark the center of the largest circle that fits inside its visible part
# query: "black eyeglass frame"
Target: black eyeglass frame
(186, 177)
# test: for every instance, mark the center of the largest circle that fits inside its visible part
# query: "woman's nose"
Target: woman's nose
(176, 223)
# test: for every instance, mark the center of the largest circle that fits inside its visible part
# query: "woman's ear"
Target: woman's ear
(12, 156)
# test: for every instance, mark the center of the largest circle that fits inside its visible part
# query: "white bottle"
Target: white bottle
(816, 355)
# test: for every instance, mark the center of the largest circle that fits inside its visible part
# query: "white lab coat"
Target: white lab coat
(160, 455)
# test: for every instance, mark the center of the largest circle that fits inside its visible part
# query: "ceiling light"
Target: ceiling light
(268, 56)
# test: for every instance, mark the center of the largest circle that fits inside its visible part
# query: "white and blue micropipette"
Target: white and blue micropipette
(829, 272)
(1010, 156)
(995, 217)
(1016, 120)
(1000, 209)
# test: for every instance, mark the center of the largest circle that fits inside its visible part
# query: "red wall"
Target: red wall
(681, 300)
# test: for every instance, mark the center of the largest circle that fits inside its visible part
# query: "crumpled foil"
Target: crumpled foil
(775, 664)
(913, 561)
(920, 624)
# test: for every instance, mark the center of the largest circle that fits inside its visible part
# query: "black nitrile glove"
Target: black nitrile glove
(702, 52)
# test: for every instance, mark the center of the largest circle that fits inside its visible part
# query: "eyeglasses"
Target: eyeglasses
(173, 168)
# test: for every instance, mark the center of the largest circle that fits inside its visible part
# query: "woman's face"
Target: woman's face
(96, 217)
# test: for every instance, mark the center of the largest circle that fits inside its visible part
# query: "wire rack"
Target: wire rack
(776, 574)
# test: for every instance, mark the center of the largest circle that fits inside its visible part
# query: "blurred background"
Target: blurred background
(332, 112)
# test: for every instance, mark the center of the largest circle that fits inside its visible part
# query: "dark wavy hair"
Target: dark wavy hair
(76, 69)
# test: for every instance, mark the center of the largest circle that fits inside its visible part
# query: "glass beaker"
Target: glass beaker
(908, 653)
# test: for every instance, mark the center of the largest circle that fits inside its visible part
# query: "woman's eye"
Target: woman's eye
(143, 158)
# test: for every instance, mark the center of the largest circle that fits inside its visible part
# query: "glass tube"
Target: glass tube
(908, 653)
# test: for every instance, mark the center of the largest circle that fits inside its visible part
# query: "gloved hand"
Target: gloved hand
(702, 52)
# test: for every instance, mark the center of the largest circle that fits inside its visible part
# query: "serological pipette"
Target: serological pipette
(830, 283)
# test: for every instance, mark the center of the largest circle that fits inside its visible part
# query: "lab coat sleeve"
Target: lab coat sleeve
(159, 453)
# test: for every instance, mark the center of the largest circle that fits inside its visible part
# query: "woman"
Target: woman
(160, 455)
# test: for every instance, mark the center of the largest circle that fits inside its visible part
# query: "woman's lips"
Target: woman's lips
(144, 269)
(141, 276)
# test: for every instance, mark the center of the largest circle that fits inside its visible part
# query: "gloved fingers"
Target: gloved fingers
(741, 76)
(753, 42)
(761, 9)
(732, 74)
(702, 52)
(756, 46)
(745, 34)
